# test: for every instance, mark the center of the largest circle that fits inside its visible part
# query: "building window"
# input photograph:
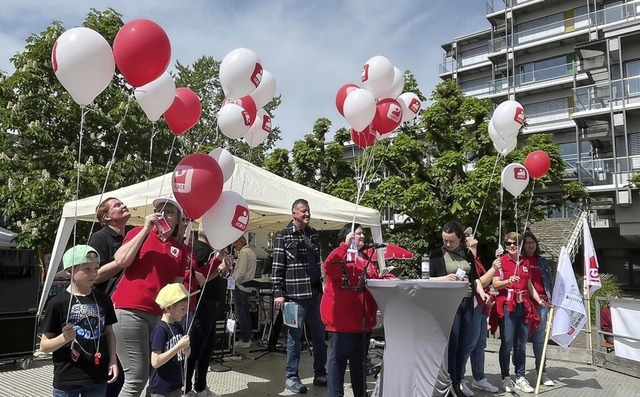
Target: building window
(547, 111)
(476, 87)
(473, 56)
(547, 69)
(540, 28)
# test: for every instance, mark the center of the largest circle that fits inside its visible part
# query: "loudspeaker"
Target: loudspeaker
(17, 335)
(19, 281)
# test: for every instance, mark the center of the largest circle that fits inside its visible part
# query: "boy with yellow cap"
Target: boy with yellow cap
(77, 329)
(169, 343)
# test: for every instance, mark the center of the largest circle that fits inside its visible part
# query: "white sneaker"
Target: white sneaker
(484, 384)
(465, 389)
(207, 393)
(546, 381)
(507, 385)
(242, 345)
(523, 384)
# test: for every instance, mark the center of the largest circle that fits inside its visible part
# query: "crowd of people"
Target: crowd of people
(141, 307)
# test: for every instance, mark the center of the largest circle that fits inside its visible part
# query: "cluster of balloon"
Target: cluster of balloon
(247, 88)
(515, 178)
(376, 110)
(84, 63)
(197, 185)
(537, 163)
(505, 125)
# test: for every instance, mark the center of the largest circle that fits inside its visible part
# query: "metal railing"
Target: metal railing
(549, 116)
(494, 6)
(600, 172)
(601, 95)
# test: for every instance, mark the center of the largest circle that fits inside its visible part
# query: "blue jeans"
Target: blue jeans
(458, 339)
(476, 343)
(346, 347)
(537, 337)
(241, 303)
(513, 336)
(309, 311)
(95, 390)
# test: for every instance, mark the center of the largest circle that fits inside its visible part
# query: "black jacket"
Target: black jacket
(438, 267)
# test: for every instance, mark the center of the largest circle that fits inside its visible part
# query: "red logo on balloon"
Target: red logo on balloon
(365, 73)
(54, 60)
(266, 123)
(394, 113)
(518, 117)
(240, 218)
(256, 76)
(414, 105)
(246, 117)
(182, 177)
(520, 173)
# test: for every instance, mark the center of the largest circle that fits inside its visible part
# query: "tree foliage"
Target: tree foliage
(43, 147)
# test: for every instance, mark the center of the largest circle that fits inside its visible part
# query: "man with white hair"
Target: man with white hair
(244, 271)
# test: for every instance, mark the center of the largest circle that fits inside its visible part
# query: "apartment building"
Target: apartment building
(575, 67)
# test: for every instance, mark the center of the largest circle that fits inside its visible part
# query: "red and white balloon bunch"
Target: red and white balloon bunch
(248, 88)
(197, 185)
(84, 63)
(376, 110)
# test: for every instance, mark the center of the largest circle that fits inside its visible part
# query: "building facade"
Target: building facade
(574, 65)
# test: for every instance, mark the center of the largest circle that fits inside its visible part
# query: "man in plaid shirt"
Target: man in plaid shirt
(297, 277)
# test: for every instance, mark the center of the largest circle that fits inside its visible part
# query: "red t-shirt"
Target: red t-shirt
(536, 275)
(157, 264)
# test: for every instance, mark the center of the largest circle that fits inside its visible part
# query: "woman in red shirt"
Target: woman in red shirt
(348, 312)
(152, 257)
(516, 313)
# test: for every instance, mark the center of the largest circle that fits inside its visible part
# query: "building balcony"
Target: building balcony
(601, 97)
(558, 119)
(496, 6)
(607, 174)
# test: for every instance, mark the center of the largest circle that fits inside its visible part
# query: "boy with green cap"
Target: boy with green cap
(77, 329)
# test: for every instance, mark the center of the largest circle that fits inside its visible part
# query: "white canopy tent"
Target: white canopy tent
(268, 196)
(7, 238)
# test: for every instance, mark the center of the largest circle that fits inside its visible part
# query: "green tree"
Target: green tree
(42, 148)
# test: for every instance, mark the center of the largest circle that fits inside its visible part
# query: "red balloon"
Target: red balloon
(342, 95)
(142, 51)
(184, 112)
(364, 138)
(388, 115)
(197, 184)
(248, 104)
(537, 163)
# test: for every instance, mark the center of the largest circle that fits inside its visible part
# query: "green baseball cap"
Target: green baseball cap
(79, 255)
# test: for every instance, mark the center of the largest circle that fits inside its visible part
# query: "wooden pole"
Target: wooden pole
(544, 348)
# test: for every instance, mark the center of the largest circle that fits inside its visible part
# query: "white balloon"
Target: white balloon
(265, 91)
(83, 62)
(225, 161)
(157, 96)
(397, 86)
(233, 120)
(508, 118)
(359, 108)
(227, 220)
(260, 129)
(240, 73)
(515, 178)
(499, 142)
(377, 75)
(410, 104)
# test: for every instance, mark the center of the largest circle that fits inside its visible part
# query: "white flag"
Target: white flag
(591, 268)
(570, 315)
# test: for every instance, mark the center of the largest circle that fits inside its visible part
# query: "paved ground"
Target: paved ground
(264, 377)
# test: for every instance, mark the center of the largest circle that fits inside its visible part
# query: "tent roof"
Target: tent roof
(6, 238)
(268, 196)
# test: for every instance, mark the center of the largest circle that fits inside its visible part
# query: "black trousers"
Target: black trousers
(203, 341)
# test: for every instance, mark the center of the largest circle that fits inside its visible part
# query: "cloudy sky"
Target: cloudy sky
(312, 47)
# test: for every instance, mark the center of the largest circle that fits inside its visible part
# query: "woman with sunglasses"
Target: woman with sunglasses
(153, 256)
(516, 312)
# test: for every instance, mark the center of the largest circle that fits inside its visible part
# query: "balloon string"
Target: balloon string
(500, 216)
(166, 167)
(475, 229)
(113, 159)
(83, 111)
(526, 219)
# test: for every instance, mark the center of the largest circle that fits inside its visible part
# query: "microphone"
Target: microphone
(468, 231)
(373, 245)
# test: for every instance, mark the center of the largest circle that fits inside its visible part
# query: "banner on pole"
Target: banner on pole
(570, 315)
(591, 267)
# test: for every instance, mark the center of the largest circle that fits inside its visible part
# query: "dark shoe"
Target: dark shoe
(294, 385)
(320, 380)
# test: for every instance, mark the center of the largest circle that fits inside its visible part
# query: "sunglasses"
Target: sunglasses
(510, 243)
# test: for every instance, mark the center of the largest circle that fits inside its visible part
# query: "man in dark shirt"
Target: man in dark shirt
(113, 215)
